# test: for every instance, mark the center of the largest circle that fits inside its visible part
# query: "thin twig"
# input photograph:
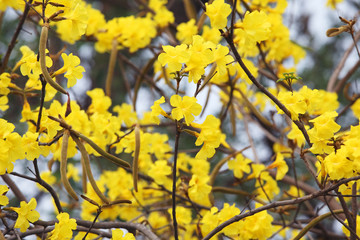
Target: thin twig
(15, 36)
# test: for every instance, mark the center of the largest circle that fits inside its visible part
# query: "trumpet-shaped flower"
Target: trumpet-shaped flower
(160, 171)
(222, 59)
(240, 165)
(63, 229)
(218, 11)
(325, 125)
(256, 26)
(71, 68)
(201, 55)
(26, 213)
(199, 189)
(185, 108)
(210, 136)
(174, 57)
(75, 23)
(294, 102)
(186, 31)
(156, 110)
(280, 164)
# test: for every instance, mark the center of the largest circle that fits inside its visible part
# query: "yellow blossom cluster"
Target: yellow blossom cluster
(171, 158)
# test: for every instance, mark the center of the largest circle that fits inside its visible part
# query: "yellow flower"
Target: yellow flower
(325, 125)
(174, 57)
(186, 31)
(211, 34)
(158, 221)
(5, 80)
(95, 22)
(183, 215)
(259, 226)
(118, 234)
(26, 213)
(200, 55)
(163, 17)
(16, 4)
(75, 23)
(32, 148)
(240, 165)
(218, 11)
(225, 214)
(3, 199)
(126, 114)
(199, 190)
(332, 3)
(4, 103)
(296, 135)
(100, 103)
(156, 110)
(210, 136)
(255, 25)
(280, 164)
(185, 108)
(222, 59)
(209, 221)
(63, 229)
(160, 171)
(294, 102)
(71, 68)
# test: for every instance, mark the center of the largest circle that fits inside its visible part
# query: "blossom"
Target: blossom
(222, 59)
(199, 189)
(118, 234)
(3, 199)
(75, 23)
(156, 110)
(186, 108)
(255, 25)
(294, 102)
(71, 68)
(160, 171)
(240, 165)
(296, 135)
(100, 103)
(26, 213)
(325, 125)
(280, 164)
(5, 80)
(183, 215)
(200, 55)
(63, 229)
(218, 11)
(31, 146)
(210, 136)
(186, 31)
(174, 57)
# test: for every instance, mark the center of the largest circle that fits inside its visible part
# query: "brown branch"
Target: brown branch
(15, 36)
(335, 74)
(342, 81)
(45, 185)
(19, 195)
